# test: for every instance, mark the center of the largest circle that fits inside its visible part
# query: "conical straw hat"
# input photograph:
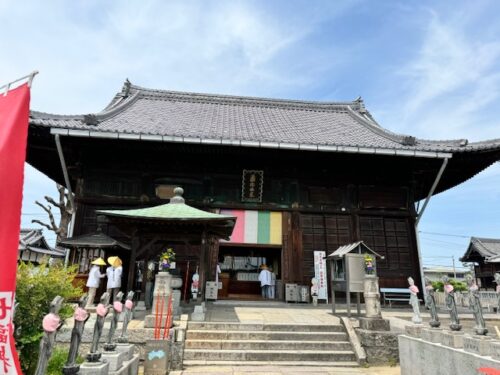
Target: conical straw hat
(99, 262)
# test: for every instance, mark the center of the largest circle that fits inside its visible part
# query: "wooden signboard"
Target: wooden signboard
(252, 184)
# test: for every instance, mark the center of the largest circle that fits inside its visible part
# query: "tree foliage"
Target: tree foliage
(457, 286)
(36, 288)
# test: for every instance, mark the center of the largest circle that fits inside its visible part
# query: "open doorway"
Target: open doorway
(240, 267)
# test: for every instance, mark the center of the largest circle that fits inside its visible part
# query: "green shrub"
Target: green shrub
(36, 288)
(457, 286)
(57, 361)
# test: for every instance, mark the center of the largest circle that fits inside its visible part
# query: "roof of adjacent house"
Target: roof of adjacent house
(33, 240)
(486, 248)
(97, 239)
(170, 116)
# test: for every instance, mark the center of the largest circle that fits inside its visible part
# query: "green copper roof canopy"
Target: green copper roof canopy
(176, 210)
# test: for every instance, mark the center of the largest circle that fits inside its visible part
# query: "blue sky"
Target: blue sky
(428, 69)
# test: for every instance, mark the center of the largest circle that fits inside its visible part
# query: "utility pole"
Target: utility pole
(454, 270)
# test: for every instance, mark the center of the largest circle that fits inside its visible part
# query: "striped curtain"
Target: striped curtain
(258, 227)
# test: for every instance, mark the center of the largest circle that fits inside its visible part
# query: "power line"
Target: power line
(444, 234)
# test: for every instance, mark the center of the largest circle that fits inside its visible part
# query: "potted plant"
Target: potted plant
(369, 266)
(166, 259)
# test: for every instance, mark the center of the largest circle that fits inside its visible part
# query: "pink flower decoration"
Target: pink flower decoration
(50, 322)
(129, 304)
(101, 310)
(448, 288)
(117, 305)
(80, 314)
(413, 289)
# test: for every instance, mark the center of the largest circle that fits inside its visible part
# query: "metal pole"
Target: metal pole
(454, 270)
(417, 220)
(29, 77)
(434, 185)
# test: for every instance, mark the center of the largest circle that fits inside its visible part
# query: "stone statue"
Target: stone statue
(451, 305)
(80, 316)
(51, 324)
(497, 281)
(475, 306)
(430, 303)
(102, 311)
(415, 304)
(126, 319)
(117, 309)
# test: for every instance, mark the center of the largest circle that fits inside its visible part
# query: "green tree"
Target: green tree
(457, 286)
(36, 288)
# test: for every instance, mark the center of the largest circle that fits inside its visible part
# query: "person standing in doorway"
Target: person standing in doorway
(94, 279)
(265, 280)
(272, 287)
(114, 274)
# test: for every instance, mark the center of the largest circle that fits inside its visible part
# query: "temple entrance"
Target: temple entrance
(240, 267)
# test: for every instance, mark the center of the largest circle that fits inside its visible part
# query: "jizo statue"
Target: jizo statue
(117, 309)
(430, 303)
(129, 305)
(451, 305)
(475, 306)
(80, 316)
(51, 324)
(101, 310)
(415, 304)
(497, 281)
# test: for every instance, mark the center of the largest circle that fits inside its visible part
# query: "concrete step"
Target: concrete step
(304, 364)
(263, 327)
(269, 355)
(267, 344)
(265, 335)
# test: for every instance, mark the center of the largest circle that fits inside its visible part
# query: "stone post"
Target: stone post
(372, 297)
(80, 317)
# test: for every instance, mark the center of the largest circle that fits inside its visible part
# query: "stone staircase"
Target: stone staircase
(231, 344)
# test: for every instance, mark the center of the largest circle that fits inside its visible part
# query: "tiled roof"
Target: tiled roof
(244, 121)
(488, 248)
(97, 239)
(33, 240)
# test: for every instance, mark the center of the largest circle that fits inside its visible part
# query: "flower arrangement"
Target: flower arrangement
(166, 259)
(369, 268)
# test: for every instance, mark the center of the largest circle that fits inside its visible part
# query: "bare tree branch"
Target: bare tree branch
(65, 208)
(42, 224)
(48, 209)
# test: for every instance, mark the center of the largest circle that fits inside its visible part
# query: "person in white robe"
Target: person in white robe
(114, 274)
(94, 279)
(265, 280)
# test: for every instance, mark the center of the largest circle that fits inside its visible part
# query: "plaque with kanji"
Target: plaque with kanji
(252, 184)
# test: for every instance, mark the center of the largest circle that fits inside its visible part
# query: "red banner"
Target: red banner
(14, 113)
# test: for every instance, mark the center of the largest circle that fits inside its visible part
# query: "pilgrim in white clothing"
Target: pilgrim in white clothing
(94, 279)
(265, 280)
(114, 274)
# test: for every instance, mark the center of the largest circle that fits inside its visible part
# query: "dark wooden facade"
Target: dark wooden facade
(485, 254)
(327, 200)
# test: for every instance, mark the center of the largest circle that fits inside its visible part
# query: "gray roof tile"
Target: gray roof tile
(223, 118)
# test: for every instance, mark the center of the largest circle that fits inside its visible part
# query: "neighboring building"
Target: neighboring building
(299, 176)
(33, 247)
(485, 254)
(455, 273)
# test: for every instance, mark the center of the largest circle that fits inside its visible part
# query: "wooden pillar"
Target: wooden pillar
(131, 268)
(203, 257)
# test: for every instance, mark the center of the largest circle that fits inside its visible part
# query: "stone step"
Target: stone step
(268, 344)
(264, 327)
(265, 335)
(269, 355)
(305, 364)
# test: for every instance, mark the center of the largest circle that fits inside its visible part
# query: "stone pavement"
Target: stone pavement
(284, 370)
